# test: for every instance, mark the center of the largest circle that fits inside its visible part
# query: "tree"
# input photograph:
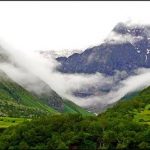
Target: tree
(23, 145)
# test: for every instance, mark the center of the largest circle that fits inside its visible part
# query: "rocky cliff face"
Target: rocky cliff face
(126, 48)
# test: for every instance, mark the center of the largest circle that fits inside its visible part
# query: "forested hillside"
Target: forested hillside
(15, 101)
(125, 126)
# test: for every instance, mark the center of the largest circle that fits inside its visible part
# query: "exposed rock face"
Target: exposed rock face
(131, 50)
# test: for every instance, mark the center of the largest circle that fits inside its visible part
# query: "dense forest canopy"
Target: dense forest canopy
(125, 126)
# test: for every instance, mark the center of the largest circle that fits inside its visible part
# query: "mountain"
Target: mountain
(16, 101)
(70, 107)
(125, 49)
(124, 126)
(32, 97)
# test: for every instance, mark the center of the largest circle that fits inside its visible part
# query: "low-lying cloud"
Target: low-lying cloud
(116, 38)
(26, 68)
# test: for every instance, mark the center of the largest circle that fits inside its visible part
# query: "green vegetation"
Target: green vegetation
(119, 127)
(143, 116)
(70, 107)
(6, 122)
(12, 109)
(15, 101)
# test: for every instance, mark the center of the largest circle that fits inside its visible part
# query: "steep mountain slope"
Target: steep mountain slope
(17, 102)
(126, 48)
(137, 104)
(70, 107)
(21, 98)
(41, 90)
(125, 126)
(47, 97)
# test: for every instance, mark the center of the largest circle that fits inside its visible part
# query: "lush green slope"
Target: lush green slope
(15, 101)
(6, 122)
(70, 107)
(117, 128)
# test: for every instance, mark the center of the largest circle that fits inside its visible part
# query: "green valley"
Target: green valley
(15, 101)
(18, 102)
(124, 126)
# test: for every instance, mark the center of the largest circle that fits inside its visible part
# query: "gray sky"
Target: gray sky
(64, 25)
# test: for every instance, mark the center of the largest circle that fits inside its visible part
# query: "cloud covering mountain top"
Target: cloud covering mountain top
(25, 66)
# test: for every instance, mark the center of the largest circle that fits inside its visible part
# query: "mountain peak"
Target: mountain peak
(132, 29)
(126, 48)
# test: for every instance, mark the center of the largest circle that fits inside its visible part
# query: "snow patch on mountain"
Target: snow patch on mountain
(148, 51)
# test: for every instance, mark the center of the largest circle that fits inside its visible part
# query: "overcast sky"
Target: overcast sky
(64, 25)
